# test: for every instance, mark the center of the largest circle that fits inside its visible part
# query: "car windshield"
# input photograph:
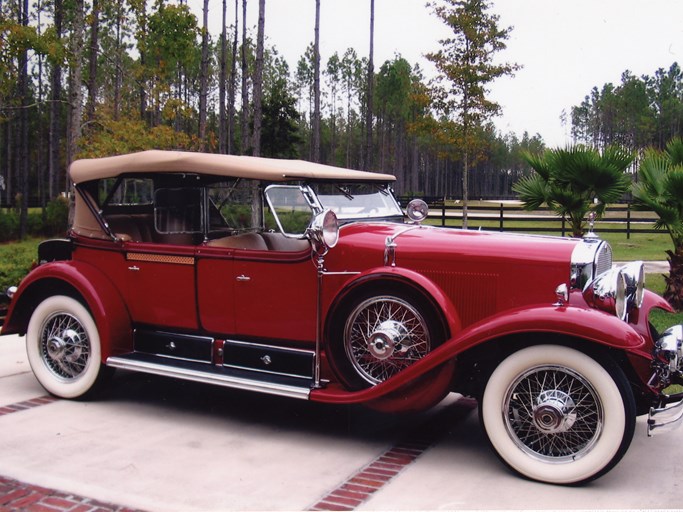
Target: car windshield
(357, 200)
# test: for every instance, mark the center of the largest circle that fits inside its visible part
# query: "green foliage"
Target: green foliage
(575, 181)
(660, 189)
(466, 63)
(56, 219)
(16, 259)
(279, 132)
(127, 136)
(637, 113)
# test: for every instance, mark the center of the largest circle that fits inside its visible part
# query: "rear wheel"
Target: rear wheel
(63, 347)
(556, 415)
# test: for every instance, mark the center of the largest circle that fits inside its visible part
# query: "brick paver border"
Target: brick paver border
(15, 496)
(360, 486)
(27, 404)
(351, 493)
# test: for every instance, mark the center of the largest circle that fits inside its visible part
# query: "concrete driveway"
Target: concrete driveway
(156, 444)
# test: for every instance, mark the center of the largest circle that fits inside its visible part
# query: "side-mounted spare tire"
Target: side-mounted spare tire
(381, 331)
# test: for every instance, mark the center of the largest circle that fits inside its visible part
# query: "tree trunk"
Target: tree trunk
(371, 80)
(55, 112)
(204, 76)
(92, 61)
(244, 114)
(316, 85)
(142, 49)
(231, 87)
(674, 281)
(257, 209)
(23, 156)
(258, 80)
(75, 83)
(222, 83)
(117, 72)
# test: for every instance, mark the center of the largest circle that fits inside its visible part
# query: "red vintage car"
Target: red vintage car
(306, 280)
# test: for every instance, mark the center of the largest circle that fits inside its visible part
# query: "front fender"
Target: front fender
(100, 295)
(584, 323)
(409, 278)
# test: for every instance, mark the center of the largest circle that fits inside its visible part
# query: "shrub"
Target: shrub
(57, 217)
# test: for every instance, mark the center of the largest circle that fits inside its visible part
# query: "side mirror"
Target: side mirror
(324, 231)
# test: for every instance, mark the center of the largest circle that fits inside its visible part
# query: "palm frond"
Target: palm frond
(674, 149)
(532, 191)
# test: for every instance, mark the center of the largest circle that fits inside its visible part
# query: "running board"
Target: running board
(216, 375)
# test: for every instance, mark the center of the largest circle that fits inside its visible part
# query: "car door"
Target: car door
(275, 295)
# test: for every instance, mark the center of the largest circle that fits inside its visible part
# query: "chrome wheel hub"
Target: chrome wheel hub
(383, 335)
(387, 339)
(65, 346)
(555, 412)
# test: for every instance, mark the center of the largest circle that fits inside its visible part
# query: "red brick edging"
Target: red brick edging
(363, 484)
(27, 404)
(15, 496)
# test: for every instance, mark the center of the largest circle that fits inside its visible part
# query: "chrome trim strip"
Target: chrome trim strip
(261, 345)
(227, 381)
(267, 372)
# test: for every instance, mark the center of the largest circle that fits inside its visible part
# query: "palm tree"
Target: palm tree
(660, 189)
(575, 181)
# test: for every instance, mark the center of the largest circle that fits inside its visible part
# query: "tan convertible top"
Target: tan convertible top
(269, 169)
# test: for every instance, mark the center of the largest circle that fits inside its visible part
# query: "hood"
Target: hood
(482, 272)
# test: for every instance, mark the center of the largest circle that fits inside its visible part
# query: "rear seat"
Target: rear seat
(129, 228)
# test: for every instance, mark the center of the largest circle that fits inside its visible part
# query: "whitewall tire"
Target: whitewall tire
(555, 414)
(63, 347)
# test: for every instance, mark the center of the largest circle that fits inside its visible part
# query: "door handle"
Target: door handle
(242, 278)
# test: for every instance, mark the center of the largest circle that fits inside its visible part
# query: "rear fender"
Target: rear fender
(82, 281)
(579, 323)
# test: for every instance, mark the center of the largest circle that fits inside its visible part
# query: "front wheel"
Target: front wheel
(556, 415)
(63, 347)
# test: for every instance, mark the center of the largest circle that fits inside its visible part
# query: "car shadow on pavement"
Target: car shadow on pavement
(353, 421)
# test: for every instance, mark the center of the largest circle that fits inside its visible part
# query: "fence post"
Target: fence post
(501, 217)
(443, 212)
(628, 221)
(563, 226)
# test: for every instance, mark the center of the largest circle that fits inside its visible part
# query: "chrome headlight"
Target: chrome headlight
(324, 231)
(634, 275)
(618, 290)
(417, 210)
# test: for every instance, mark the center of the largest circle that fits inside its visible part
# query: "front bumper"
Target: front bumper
(668, 415)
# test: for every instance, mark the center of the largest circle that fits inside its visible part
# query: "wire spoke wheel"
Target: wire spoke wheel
(64, 345)
(384, 335)
(553, 413)
(63, 348)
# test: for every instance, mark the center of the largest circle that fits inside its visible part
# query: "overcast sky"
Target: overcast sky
(565, 46)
